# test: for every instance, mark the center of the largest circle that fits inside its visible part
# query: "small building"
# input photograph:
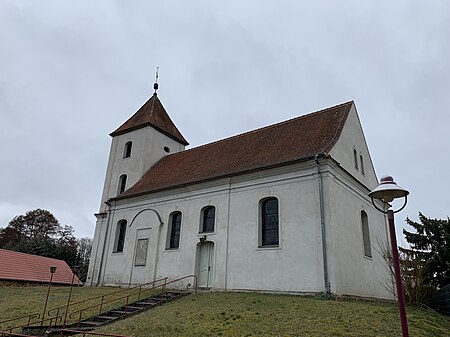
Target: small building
(283, 208)
(22, 268)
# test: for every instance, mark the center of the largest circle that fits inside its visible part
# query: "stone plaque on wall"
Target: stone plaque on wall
(141, 252)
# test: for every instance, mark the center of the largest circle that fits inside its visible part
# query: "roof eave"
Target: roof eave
(299, 160)
(134, 128)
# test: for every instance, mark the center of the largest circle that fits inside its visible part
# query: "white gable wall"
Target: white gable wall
(352, 272)
(352, 138)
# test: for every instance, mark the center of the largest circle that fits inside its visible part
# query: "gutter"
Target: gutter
(327, 289)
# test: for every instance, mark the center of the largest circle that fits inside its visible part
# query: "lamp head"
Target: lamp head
(52, 270)
(388, 190)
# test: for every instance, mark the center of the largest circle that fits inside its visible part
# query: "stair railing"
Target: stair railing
(57, 318)
(163, 287)
(9, 330)
(30, 317)
(56, 311)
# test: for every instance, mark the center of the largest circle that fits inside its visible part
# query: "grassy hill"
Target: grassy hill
(245, 314)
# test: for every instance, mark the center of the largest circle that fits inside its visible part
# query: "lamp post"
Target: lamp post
(52, 271)
(387, 191)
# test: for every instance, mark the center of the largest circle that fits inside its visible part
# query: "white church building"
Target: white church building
(283, 208)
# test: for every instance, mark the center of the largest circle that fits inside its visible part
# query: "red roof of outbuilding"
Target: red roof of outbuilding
(279, 144)
(152, 113)
(15, 266)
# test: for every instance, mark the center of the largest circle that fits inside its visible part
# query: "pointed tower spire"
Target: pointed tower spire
(156, 85)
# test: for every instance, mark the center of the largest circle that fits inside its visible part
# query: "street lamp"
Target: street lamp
(387, 191)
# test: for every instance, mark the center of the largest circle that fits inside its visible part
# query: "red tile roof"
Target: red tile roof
(15, 266)
(275, 145)
(152, 113)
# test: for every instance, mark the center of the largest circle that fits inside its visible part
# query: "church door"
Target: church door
(206, 265)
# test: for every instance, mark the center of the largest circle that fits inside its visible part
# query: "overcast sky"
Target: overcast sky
(73, 71)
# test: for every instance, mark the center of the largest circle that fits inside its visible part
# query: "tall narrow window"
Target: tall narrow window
(362, 164)
(366, 235)
(209, 217)
(120, 236)
(127, 149)
(269, 222)
(122, 183)
(355, 159)
(175, 229)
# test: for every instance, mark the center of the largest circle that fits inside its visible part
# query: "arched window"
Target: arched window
(355, 159)
(208, 219)
(362, 164)
(365, 234)
(269, 222)
(175, 229)
(122, 183)
(127, 149)
(120, 236)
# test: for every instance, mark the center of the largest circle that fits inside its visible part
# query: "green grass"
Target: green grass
(248, 314)
(23, 301)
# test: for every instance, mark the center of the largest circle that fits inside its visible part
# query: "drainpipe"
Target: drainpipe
(322, 227)
(104, 243)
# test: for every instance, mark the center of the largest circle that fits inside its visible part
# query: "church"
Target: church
(283, 208)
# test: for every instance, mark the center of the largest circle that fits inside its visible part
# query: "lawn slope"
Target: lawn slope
(244, 314)
(251, 314)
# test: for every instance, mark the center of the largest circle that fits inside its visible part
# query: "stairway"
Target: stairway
(122, 312)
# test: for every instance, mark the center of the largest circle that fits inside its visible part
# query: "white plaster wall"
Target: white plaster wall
(353, 273)
(352, 137)
(119, 268)
(147, 148)
(238, 261)
(296, 265)
(96, 252)
(239, 264)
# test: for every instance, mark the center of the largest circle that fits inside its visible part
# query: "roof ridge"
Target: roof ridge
(285, 142)
(264, 128)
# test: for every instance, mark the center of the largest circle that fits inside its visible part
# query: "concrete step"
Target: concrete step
(106, 317)
(90, 323)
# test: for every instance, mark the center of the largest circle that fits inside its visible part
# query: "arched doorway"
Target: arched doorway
(205, 263)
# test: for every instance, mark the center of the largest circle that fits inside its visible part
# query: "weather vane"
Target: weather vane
(155, 86)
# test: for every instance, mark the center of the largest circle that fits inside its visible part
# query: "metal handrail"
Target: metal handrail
(162, 286)
(102, 296)
(17, 318)
(127, 297)
(10, 329)
(58, 318)
(185, 277)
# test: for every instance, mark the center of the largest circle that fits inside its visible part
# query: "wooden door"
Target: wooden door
(206, 265)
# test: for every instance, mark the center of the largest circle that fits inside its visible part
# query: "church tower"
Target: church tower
(137, 145)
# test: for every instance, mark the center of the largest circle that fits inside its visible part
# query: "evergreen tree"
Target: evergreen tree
(431, 244)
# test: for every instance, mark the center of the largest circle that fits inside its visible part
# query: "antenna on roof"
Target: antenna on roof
(155, 86)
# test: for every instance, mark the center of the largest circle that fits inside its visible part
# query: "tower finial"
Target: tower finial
(155, 86)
